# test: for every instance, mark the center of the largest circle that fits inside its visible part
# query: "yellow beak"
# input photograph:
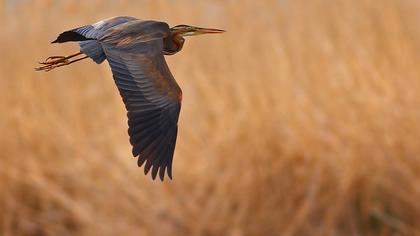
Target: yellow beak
(198, 31)
(207, 31)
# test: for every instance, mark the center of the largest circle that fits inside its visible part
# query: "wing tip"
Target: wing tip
(156, 170)
(70, 36)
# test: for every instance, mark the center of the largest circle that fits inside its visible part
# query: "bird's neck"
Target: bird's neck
(173, 43)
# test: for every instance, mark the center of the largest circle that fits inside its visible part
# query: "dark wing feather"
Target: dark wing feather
(93, 31)
(87, 36)
(151, 96)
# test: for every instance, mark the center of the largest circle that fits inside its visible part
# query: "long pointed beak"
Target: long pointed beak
(199, 31)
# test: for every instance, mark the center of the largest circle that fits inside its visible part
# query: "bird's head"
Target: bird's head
(175, 41)
(188, 30)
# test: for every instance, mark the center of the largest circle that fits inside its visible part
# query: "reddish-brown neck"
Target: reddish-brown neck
(173, 43)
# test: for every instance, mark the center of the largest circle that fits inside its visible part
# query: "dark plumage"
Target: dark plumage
(135, 51)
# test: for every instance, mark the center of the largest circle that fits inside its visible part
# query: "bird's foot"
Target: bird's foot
(57, 61)
(52, 62)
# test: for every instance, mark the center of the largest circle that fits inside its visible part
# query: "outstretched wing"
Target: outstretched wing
(87, 36)
(93, 31)
(150, 93)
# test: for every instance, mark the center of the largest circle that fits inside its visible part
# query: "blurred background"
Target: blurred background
(302, 119)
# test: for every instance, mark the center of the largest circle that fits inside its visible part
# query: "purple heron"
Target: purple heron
(135, 51)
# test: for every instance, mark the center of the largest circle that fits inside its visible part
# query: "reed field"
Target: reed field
(302, 119)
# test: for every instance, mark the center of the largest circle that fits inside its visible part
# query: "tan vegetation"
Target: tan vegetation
(303, 119)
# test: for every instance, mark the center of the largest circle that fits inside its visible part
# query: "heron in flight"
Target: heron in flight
(135, 51)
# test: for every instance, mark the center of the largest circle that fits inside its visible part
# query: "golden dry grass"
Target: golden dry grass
(303, 119)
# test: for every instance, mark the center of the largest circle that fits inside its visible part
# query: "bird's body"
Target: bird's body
(135, 51)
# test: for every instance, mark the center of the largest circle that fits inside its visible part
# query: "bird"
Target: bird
(135, 51)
